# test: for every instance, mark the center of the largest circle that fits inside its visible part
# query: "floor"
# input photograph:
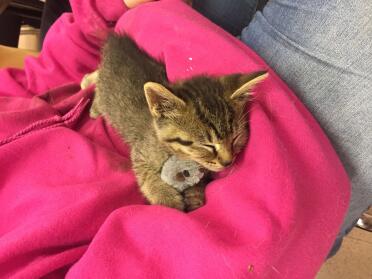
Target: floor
(354, 259)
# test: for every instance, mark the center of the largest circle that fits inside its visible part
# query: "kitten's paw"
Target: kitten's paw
(93, 112)
(194, 198)
(89, 79)
(168, 197)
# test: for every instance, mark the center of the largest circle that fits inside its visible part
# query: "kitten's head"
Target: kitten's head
(203, 119)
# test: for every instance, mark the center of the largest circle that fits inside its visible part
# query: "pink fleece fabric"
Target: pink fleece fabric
(69, 203)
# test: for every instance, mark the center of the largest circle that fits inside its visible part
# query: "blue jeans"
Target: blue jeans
(323, 51)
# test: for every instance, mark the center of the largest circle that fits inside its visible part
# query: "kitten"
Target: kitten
(200, 119)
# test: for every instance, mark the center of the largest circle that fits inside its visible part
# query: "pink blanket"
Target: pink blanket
(69, 204)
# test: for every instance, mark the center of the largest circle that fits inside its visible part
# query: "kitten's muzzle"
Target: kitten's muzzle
(215, 167)
(226, 164)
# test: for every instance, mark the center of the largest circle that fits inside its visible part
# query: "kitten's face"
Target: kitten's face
(203, 119)
(203, 145)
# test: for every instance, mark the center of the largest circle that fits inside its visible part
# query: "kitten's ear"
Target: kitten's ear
(246, 83)
(160, 100)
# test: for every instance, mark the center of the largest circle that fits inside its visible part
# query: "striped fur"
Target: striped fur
(196, 119)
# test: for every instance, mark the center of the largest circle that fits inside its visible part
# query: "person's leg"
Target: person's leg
(232, 15)
(323, 51)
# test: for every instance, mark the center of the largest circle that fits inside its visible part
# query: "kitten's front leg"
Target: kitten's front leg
(90, 79)
(158, 192)
(194, 196)
(155, 190)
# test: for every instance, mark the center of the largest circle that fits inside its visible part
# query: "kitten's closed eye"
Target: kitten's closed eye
(180, 141)
(211, 148)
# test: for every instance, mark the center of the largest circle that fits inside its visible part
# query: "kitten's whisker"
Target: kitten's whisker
(231, 170)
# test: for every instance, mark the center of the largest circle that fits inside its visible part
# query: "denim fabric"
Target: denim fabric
(323, 51)
(231, 15)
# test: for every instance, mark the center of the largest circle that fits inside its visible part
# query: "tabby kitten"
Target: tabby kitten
(200, 119)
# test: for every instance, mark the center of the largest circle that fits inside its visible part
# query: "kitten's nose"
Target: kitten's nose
(226, 163)
(225, 155)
